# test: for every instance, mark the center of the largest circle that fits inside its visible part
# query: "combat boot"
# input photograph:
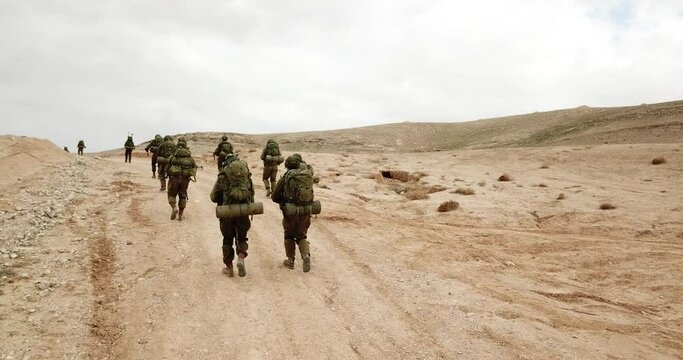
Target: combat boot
(174, 211)
(290, 251)
(227, 270)
(154, 175)
(305, 254)
(241, 269)
(163, 184)
(180, 214)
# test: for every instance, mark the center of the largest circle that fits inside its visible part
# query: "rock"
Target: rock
(509, 263)
(42, 286)
(24, 276)
(13, 256)
(129, 242)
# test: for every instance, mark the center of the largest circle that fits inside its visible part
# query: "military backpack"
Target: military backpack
(298, 186)
(240, 188)
(166, 150)
(226, 148)
(182, 163)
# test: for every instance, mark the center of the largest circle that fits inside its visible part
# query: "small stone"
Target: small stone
(24, 276)
(129, 242)
(509, 263)
(13, 256)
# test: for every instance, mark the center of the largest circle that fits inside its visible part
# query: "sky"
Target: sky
(98, 70)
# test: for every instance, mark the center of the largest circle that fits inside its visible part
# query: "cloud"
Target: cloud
(97, 70)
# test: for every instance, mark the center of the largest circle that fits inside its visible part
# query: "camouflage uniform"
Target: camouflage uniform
(295, 226)
(177, 184)
(269, 169)
(154, 147)
(129, 146)
(219, 150)
(81, 146)
(233, 229)
(166, 150)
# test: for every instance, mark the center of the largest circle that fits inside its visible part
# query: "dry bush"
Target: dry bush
(463, 191)
(542, 185)
(448, 206)
(400, 175)
(505, 177)
(658, 160)
(436, 188)
(418, 192)
(561, 196)
(545, 166)
(607, 206)
(482, 183)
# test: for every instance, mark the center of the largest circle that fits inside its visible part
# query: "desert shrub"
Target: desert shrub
(561, 196)
(505, 177)
(545, 166)
(417, 193)
(542, 185)
(436, 188)
(464, 191)
(607, 206)
(448, 206)
(658, 160)
(400, 175)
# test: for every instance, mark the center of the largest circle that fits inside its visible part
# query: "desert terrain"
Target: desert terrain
(577, 255)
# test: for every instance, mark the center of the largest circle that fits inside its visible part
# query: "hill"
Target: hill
(647, 123)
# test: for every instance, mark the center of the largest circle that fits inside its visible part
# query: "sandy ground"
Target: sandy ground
(512, 273)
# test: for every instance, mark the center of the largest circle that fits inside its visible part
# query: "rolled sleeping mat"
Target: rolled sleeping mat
(162, 160)
(236, 210)
(293, 209)
(274, 159)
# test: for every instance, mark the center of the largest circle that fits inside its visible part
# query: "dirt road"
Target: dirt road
(514, 273)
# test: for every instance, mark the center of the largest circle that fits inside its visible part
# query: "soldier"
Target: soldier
(222, 150)
(129, 146)
(80, 146)
(234, 186)
(165, 152)
(66, 149)
(295, 188)
(181, 168)
(153, 146)
(271, 158)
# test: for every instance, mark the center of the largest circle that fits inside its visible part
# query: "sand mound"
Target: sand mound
(21, 157)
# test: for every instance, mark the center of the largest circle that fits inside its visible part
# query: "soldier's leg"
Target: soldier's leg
(162, 176)
(172, 193)
(266, 176)
(302, 225)
(242, 225)
(228, 232)
(154, 165)
(273, 177)
(184, 183)
(288, 223)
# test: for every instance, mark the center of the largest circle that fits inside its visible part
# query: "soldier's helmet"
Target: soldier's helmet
(167, 138)
(157, 137)
(270, 141)
(293, 161)
(224, 137)
(130, 137)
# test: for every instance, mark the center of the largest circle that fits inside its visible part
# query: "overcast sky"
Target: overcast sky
(99, 69)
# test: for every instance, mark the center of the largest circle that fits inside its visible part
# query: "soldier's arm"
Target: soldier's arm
(278, 196)
(217, 151)
(217, 191)
(263, 154)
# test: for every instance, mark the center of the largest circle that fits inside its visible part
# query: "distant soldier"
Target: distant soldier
(166, 150)
(181, 168)
(129, 146)
(294, 193)
(153, 146)
(234, 186)
(271, 158)
(223, 149)
(66, 149)
(80, 146)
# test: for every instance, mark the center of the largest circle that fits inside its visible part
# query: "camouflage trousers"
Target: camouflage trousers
(234, 230)
(154, 164)
(162, 175)
(80, 151)
(128, 155)
(177, 187)
(296, 228)
(270, 172)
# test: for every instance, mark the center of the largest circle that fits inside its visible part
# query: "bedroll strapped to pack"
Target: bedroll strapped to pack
(236, 210)
(274, 159)
(314, 208)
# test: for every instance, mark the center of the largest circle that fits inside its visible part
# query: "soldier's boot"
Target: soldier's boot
(227, 255)
(181, 205)
(154, 174)
(163, 183)
(241, 269)
(290, 251)
(266, 183)
(305, 251)
(180, 214)
(272, 185)
(174, 211)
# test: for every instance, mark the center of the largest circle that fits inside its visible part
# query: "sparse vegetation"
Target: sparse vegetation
(543, 185)
(607, 206)
(417, 192)
(464, 191)
(400, 175)
(448, 206)
(561, 196)
(505, 177)
(545, 166)
(658, 160)
(436, 188)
